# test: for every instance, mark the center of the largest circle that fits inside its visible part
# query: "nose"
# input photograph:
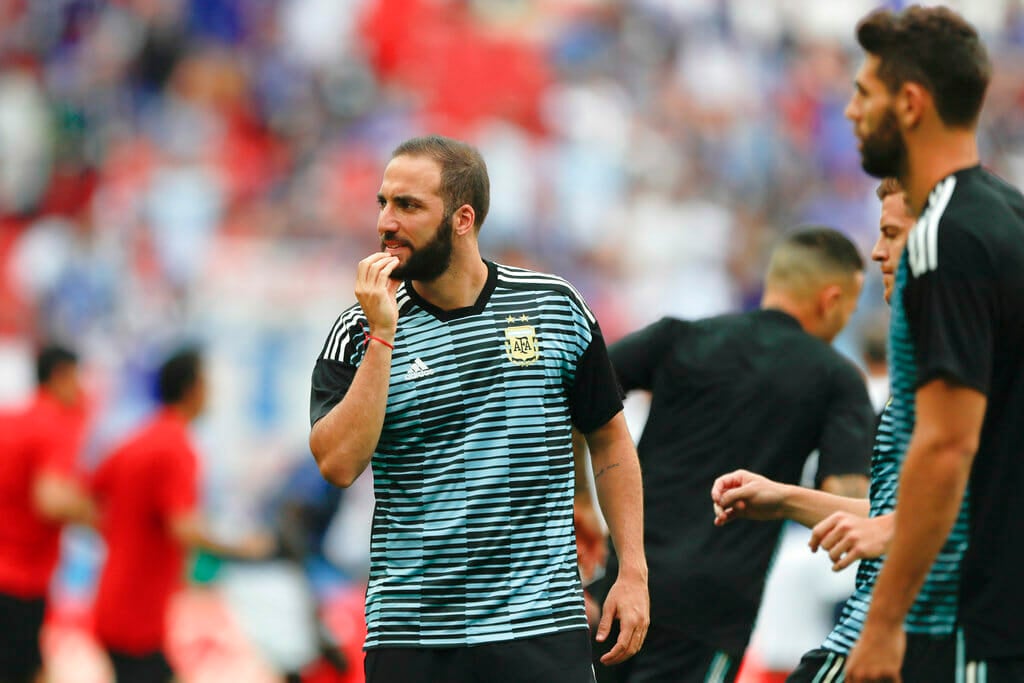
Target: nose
(386, 221)
(879, 252)
(850, 112)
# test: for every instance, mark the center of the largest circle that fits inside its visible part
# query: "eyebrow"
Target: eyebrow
(401, 199)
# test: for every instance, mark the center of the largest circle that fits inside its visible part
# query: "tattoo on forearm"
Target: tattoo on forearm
(605, 469)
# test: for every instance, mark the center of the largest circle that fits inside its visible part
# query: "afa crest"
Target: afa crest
(521, 345)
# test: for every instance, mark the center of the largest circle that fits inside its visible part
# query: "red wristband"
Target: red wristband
(386, 343)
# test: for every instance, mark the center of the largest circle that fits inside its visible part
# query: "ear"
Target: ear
(463, 219)
(828, 298)
(912, 103)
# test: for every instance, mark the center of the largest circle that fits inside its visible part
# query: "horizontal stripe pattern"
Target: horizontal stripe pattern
(934, 611)
(472, 538)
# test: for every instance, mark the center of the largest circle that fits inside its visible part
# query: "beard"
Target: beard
(884, 153)
(430, 261)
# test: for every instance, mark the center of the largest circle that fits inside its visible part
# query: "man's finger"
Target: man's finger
(371, 260)
(607, 614)
(381, 269)
(639, 635)
(736, 498)
(620, 651)
(389, 267)
(848, 558)
(726, 483)
(820, 530)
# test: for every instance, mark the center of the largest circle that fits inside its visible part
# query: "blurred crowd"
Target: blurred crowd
(206, 171)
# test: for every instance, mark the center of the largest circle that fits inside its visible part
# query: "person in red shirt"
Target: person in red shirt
(147, 494)
(40, 490)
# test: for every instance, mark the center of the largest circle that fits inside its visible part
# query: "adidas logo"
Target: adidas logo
(418, 369)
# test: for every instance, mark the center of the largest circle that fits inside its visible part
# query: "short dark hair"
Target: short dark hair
(464, 177)
(50, 358)
(888, 186)
(829, 246)
(804, 257)
(177, 375)
(935, 47)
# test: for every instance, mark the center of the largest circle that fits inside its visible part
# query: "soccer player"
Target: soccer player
(958, 332)
(147, 493)
(851, 529)
(761, 389)
(40, 490)
(459, 380)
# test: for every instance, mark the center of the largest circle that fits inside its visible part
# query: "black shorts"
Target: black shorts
(20, 623)
(151, 667)
(668, 655)
(928, 659)
(563, 657)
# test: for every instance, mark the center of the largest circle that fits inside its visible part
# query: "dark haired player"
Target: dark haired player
(40, 490)
(760, 389)
(146, 491)
(459, 381)
(957, 337)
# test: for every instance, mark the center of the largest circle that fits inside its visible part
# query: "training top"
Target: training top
(963, 292)
(934, 610)
(44, 437)
(145, 483)
(749, 390)
(472, 538)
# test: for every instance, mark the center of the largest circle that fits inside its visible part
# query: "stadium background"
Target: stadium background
(206, 170)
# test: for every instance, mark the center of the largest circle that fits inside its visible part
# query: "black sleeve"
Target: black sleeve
(950, 301)
(595, 396)
(331, 380)
(636, 355)
(848, 434)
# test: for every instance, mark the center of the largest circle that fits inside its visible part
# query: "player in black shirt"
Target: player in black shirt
(759, 390)
(960, 286)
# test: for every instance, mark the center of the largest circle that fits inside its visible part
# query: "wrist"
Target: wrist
(384, 337)
(788, 501)
(634, 571)
(387, 333)
(384, 342)
(883, 620)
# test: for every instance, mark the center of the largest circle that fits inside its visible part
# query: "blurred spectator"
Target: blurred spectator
(39, 491)
(25, 138)
(147, 493)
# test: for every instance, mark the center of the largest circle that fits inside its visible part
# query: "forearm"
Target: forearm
(61, 499)
(809, 506)
(931, 489)
(195, 536)
(620, 494)
(191, 531)
(343, 441)
(847, 485)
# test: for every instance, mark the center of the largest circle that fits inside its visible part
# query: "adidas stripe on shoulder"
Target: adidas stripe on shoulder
(923, 244)
(346, 336)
